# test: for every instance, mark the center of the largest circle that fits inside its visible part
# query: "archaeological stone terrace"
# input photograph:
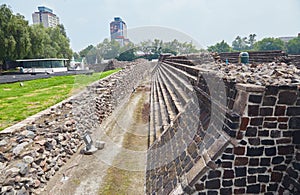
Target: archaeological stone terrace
(214, 127)
(34, 150)
(218, 128)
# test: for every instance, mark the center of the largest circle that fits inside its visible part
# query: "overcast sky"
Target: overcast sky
(206, 21)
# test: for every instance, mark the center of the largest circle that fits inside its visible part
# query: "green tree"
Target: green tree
(240, 44)
(7, 41)
(83, 53)
(14, 35)
(18, 40)
(128, 55)
(220, 47)
(39, 39)
(251, 41)
(293, 46)
(76, 56)
(59, 43)
(269, 44)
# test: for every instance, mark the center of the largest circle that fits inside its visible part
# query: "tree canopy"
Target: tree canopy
(150, 49)
(269, 44)
(18, 40)
(293, 46)
(220, 47)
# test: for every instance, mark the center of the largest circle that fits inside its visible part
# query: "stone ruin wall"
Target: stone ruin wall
(259, 57)
(32, 151)
(249, 145)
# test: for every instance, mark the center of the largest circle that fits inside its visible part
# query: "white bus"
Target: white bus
(48, 65)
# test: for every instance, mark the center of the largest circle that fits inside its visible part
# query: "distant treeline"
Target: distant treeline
(19, 40)
(150, 49)
(250, 44)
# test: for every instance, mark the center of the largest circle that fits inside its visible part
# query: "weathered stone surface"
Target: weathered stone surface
(18, 149)
(28, 159)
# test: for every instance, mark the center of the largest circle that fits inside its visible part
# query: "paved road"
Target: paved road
(12, 78)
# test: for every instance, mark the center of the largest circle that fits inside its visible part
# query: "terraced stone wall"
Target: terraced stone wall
(234, 139)
(34, 150)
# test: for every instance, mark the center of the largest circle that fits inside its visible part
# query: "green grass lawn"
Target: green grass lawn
(18, 103)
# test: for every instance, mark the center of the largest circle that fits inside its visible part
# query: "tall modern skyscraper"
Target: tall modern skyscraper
(118, 31)
(45, 16)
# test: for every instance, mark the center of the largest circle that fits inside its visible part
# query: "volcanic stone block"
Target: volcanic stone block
(282, 126)
(240, 171)
(239, 161)
(251, 179)
(256, 121)
(225, 191)
(239, 191)
(255, 98)
(239, 150)
(269, 101)
(213, 184)
(228, 174)
(265, 161)
(268, 111)
(293, 111)
(294, 123)
(270, 125)
(264, 178)
(275, 134)
(227, 183)
(254, 141)
(254, 162)
(253, 110)
(276, 176)
(287, 97)
(280, 110)
(271, 90)
(240, 182)
(244, 123)
(268, 142)
(253, 189)
(285, 150)
(296, 137)
(263, 133)
(199, 187)
(257, 170)
(251, 131)
(227, 157)
(272, 187)
(255, 151)
(226, 164)
(270, 151)
(280, 168)
(214, 174)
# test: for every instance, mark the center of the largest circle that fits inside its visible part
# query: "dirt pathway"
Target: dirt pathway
(120, 167)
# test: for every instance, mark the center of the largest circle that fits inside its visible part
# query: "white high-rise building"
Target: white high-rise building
(45, 16)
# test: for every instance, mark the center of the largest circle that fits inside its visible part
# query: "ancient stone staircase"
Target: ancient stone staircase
(208, 135)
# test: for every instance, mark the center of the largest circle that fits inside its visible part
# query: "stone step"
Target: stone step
(188, 77)
(171, 110)
(176, 88)
(185, 87)
(156, 110)
(152, 127)
(164, 113)
(171, 91)
(191, 72)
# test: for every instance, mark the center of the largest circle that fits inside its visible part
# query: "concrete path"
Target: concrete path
(120, 167)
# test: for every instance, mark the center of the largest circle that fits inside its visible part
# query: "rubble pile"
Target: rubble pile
(274, 73)
(34, 150)
(30, 156)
